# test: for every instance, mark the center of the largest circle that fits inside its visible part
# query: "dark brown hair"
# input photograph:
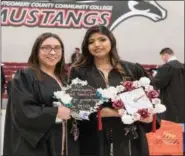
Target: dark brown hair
(87, 58)
(33, 61)
(77, 48)
(168, 51)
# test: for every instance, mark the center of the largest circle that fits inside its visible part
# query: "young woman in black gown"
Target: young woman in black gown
(101, 66)
(30, 124)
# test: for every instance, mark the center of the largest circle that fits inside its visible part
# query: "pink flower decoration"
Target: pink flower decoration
(128, 85)
(152, 94)
(144, 113)
(137, 116)
(118, 104)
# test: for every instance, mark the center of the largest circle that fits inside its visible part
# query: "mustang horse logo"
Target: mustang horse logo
(149, 9)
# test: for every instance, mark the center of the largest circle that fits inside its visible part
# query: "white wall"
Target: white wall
(139, 39)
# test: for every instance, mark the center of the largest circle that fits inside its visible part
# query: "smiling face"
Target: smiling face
(99, 45)
(50, 53)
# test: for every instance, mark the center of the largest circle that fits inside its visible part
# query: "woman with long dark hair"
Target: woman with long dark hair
(30, 126)
(101, 66)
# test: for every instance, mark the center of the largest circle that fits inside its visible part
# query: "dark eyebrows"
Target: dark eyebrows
(99, 38)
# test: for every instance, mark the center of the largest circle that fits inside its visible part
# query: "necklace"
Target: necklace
(105, 69)
(105, 80)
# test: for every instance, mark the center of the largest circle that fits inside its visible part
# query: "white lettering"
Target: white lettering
(98, 7)
(42, 5)
(10, 3)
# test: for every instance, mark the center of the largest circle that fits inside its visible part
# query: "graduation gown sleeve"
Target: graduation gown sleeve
(139, 72)
(29, 116)
(163, 76)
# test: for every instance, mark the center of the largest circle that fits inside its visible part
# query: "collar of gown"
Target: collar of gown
(172, 58)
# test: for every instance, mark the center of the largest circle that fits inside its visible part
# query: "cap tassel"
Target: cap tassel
(154, 123)
(99, 120)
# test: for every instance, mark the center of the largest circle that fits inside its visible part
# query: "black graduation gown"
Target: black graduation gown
(30, 128)
(170, 80)
(89, 136)
(9, 84)
(2, 80)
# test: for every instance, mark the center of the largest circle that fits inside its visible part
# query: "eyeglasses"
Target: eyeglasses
(48, 49)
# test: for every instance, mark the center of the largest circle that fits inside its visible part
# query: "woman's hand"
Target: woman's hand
(148, 119)
(64, 113)
(108, 112)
